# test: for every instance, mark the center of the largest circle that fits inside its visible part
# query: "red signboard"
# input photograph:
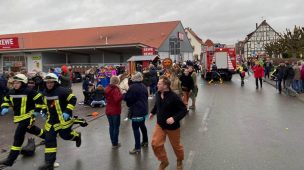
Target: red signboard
(7, 43)
(148, 51)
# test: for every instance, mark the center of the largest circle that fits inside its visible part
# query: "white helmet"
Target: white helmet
(51, 77)
(21, 78)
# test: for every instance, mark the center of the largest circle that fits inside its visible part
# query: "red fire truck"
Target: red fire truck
(224, 59)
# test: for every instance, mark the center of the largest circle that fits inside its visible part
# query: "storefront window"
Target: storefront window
(14, 63)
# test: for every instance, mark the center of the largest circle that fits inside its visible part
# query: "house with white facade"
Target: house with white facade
(255, 42)
(196, 42)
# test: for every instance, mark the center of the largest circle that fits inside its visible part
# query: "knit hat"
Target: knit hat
(137, 77)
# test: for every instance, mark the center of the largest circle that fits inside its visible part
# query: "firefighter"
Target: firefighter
(60, 104)
(241, 70)
(27, 104)
(215, 74)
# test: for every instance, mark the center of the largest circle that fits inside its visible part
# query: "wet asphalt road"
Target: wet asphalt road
(233, 128)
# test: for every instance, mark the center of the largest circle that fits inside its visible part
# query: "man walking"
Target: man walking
(280, 76)
(169, 110)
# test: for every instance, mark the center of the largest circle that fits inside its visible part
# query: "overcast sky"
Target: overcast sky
(220, 20)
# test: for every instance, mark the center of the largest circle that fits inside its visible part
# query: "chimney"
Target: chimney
(256, 25)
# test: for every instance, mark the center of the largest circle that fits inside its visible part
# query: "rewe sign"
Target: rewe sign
(7, 43)
(148, 51)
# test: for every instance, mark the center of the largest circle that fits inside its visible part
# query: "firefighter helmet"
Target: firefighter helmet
(21, 78)
(51, 77)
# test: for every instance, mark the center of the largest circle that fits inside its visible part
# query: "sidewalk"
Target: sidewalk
(273, 83)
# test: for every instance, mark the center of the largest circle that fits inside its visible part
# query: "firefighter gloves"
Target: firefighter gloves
(36, 114)
(4, 111)
(66, 116)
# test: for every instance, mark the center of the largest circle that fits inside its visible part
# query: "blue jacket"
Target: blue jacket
(153, 76)
(3, 86)
(137, 100)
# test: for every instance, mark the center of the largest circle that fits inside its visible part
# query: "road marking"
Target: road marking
(190, 160)
(204, 126)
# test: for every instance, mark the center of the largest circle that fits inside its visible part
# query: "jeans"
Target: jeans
(135, 126)
(279, 85)
(153, 89)
(114, 123)
(267, 72)
(101, 103)
(297, 85)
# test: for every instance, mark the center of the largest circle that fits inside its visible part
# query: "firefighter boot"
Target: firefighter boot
(47, 166)
(78, 140)
(29, 149)
(9, 161)
(6, 162)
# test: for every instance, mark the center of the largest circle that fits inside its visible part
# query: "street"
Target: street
(233, 128)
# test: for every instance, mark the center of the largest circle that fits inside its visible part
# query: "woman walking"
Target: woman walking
(137, 101)
(113, 109)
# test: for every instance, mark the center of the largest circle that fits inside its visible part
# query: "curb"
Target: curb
(270, 82)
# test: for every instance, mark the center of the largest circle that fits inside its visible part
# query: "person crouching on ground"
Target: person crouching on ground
(98, 97)
(169, 110)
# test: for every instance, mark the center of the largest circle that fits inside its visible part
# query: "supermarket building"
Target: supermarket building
(95, 46)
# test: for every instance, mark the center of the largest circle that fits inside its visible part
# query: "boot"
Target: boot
(163, 165)
(29, 149)
(78, 140)
(179, 165)
(47, 166)
(6, 162)
(144, 144)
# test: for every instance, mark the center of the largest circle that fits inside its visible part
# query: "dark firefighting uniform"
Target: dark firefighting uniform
(25, 102)
(58, 101)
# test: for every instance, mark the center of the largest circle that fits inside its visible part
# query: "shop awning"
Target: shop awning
(144, 58)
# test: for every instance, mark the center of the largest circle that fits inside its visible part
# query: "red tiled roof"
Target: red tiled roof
(150, 34)
(209, 43)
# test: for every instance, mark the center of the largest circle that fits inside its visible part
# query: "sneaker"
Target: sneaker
(116, 146)
(56, 164)
(179, 165)
(78, 140)
(150, 98)
(135, 151)
(163, 165)
(126, 119)
(144, 144)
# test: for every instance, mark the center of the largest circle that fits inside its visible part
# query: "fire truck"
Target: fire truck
(225, 60)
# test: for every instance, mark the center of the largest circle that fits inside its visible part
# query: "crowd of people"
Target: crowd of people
(288, 76)
(50, 95)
